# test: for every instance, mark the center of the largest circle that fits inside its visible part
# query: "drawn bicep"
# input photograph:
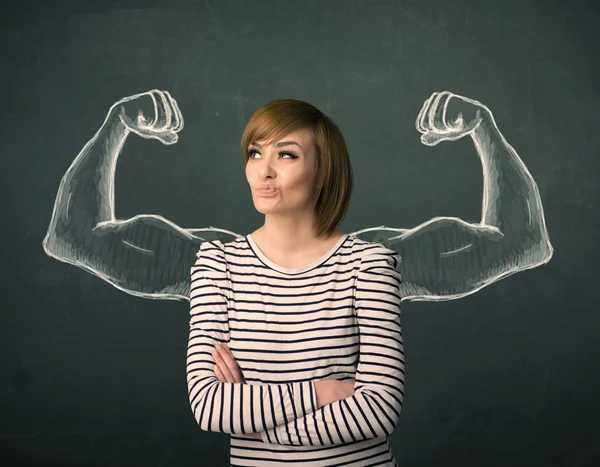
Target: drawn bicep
(144, 256)
(448, 258)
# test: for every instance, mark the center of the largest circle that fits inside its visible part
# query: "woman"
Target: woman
(295, 344)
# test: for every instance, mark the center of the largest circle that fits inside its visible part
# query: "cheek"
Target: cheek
(306, 182)
(248, 173)
(298, 180)
(301, 190)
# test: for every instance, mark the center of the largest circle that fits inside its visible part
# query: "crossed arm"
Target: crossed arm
(372, 410)
(229, 407)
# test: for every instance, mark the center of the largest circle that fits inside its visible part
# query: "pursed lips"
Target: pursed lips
(267, 191)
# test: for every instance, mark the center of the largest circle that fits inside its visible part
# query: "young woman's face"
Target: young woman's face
(286, 167)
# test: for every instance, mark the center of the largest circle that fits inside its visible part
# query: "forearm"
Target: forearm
(248, 408)
(326, 392)
(365, 415)
(233, 407)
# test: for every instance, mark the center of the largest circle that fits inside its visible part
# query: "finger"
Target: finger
(451, 124)
(130, 98)
(154, 120)
(444, 110)
(165, 137)
(141, 121)
(457, 124)
(420, 122)
(433, 116)
(223, 366)
(177, 119)
(218, 374)
(157, 122)
(168, 111)
(227, 350)
(168, 137)
(240, 375)
(223, 378)
(231, 363)
(181, 121)
(419, 116)
(432, 138)
(164, 116)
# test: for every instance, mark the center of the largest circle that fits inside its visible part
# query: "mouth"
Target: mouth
(267, 191)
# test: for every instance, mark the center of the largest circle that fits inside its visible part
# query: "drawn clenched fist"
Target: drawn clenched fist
(153, 114)
(447, 117)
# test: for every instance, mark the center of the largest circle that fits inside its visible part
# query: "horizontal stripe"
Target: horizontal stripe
(337, 320)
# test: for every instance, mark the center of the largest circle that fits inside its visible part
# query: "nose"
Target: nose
(266, 169)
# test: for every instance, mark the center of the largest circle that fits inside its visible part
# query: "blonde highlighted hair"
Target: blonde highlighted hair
(333, 173)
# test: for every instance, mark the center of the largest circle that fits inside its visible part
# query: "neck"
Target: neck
(289, 234)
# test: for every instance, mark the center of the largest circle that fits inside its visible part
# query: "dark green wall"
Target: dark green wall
(506, 376)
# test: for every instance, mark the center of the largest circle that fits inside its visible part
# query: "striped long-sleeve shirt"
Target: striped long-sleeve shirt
(337, 318)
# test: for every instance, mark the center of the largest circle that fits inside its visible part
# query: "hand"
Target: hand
(226, 369)
(332, 390)
(153, 114)
(442, 119)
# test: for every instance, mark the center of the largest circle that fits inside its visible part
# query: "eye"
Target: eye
(291, 155)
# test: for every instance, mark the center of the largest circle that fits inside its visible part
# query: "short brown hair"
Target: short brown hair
(334, 178)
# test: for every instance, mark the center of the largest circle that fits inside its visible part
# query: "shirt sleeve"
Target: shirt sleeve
(374, 409)
(230, 407)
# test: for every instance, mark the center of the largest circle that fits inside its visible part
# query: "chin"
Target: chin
(268, 208)
(265, 211)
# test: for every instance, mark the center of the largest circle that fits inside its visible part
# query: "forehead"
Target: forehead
(302, 136)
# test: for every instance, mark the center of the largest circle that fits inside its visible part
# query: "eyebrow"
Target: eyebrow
(278, 145)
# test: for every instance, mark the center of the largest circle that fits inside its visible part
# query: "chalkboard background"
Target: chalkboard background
(507, 376)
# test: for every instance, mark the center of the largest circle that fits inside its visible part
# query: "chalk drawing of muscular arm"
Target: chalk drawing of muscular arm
(147, 255)
(447, 258)
(444, 258)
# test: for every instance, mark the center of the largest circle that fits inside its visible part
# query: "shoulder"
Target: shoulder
(376, 255)
(217, 255)
(211, 256)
